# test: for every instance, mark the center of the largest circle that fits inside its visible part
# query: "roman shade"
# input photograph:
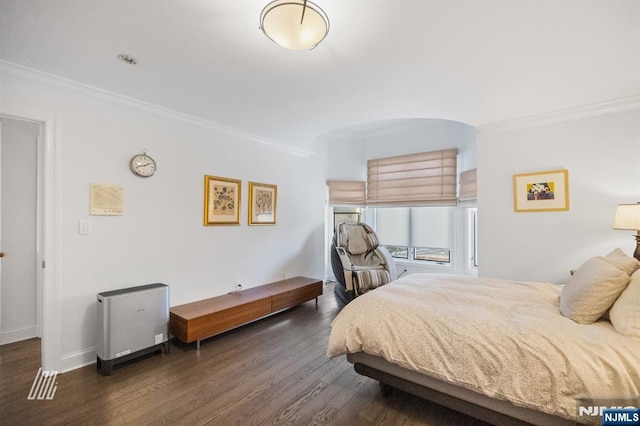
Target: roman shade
(428, 178)
(468, 185)
(343, 192)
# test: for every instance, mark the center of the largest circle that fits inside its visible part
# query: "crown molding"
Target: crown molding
(389, 127)
(617, 105)
(25, 75)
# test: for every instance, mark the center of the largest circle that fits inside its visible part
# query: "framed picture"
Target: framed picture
(263, 201)
(340, 217)
(221, 201)
(542, 191)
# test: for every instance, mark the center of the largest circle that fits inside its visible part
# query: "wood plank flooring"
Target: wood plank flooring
(271, 372)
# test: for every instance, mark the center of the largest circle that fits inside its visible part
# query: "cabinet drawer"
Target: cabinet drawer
(292, 298)
(221, 321)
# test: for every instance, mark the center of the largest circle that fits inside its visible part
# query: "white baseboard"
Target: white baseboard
(12, 336)
(78, 359)
(68, 362)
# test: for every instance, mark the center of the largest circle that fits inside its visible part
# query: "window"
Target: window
(345, 214)
(416, 233)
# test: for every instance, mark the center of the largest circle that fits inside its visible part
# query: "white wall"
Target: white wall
(602, 155)
(18, 291)
(161, 237)
(346, 156)
(347, 152)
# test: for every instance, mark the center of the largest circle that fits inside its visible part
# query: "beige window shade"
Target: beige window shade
(428, 178)
(343, 192)
(468, 185)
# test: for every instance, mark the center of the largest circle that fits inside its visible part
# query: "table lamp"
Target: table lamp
(628, 217)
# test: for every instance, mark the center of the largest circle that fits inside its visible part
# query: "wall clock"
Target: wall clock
(142, 165)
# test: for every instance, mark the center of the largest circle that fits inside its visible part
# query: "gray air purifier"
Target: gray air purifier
(132, 322)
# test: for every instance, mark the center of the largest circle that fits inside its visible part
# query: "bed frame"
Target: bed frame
(476, 405)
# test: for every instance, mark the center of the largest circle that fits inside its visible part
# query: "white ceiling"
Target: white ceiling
(474, 61)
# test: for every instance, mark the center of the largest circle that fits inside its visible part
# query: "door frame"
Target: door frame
(49, 180)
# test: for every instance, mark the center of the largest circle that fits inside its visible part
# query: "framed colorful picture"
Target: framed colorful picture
(221, 201)
(541, 191)
(263, 201)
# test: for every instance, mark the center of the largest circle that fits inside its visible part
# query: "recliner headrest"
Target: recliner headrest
(357, 238)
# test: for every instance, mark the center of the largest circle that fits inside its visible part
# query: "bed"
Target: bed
(498, 350)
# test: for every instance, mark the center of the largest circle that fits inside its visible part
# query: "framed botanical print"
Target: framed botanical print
(263, 202)
(222, 201)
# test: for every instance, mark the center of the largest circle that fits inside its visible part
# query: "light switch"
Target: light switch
(84, 227)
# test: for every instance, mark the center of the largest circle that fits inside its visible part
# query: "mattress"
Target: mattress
(503, 339)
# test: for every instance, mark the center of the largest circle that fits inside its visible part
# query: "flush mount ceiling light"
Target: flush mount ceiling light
(128, 59)
(294, 24)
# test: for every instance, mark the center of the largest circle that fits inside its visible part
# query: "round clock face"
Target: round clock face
(143, 165)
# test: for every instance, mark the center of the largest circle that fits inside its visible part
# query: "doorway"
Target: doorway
(48, 228)
(20, 218)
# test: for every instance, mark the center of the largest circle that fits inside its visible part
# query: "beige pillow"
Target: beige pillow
(625, 312)
(620, 260)
(592, 290)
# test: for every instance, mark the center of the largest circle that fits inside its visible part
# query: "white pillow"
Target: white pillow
(592, 290)
(620, 260)
(625, 312)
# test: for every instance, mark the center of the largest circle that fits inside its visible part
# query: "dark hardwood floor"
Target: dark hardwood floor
(274, 371)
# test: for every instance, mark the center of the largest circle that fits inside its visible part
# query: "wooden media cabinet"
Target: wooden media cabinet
(196, 321)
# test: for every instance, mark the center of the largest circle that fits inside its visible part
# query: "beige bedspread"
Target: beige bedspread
(504, 339)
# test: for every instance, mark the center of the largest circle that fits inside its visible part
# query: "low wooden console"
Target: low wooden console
(196, 321)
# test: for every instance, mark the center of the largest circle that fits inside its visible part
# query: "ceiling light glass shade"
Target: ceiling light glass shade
(627, 217)
(294, 24)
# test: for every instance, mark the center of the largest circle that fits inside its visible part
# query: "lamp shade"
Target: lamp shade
(294, 24)
(627, 217)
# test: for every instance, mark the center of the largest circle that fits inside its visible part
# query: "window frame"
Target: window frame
(471, 240)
